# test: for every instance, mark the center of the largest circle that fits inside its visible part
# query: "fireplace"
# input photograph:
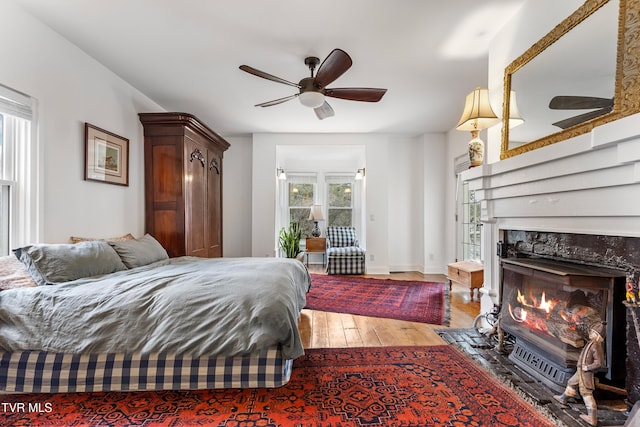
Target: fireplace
(549, 306)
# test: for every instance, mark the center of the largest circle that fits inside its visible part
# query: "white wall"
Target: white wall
(435, 194)
(395, 196)
(405, 205)
(71, 88)
(236, 197)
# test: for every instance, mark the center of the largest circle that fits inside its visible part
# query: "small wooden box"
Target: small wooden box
(468, 273)
(316, 244)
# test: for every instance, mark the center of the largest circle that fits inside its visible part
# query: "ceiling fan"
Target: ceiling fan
(603, 105)
(313, 90)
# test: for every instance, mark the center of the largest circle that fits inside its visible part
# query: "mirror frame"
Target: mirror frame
(627, 79)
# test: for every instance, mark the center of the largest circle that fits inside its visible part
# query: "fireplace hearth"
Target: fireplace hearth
(549, 306)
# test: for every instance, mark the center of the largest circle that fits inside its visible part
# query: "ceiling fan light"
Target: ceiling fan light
(311, 99)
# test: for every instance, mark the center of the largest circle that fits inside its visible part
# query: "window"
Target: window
(339, 202)
(301, 196)
(339, 194)
(471, 225)
(18, 197)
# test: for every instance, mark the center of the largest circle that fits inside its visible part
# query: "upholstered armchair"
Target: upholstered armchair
(344, 256)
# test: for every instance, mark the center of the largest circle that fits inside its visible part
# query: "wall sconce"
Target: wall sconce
(316, 215)
(477, 115)
(360, 174)
(280, 173)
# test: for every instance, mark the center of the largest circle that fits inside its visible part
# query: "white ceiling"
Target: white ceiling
(185, 54)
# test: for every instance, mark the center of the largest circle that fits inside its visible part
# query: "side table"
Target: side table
(316, 245)
(468, 273)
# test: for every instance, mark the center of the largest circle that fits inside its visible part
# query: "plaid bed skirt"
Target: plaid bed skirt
(42, 372)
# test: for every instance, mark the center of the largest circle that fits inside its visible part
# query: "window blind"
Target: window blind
(16, 104)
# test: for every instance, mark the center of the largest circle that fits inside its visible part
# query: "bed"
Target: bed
(145, 321)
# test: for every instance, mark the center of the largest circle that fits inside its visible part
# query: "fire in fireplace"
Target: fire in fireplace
(549, 306)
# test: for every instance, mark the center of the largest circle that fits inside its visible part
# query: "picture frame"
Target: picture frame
(106, 156)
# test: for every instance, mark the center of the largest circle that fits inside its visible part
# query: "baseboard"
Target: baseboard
(404, 268)
(377, 270)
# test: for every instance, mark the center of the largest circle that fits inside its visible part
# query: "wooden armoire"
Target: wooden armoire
(183, 184)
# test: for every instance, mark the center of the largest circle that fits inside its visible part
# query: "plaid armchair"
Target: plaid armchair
(344, 256)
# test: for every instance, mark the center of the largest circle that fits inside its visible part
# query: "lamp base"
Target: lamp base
(316, 230)
(476, 150)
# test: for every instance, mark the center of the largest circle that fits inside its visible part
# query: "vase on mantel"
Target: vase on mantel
(476, 150)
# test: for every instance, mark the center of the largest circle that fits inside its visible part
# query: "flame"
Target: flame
(543, 305)
(518, 314)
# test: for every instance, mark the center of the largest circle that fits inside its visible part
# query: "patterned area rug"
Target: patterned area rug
(415, 301)
(392, 386)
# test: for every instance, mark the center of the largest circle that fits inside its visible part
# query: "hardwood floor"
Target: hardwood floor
(324, 330)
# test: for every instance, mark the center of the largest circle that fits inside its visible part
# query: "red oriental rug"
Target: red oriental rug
(415, 301)
(384, 386)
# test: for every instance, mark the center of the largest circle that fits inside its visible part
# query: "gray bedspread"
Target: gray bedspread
(213, 307)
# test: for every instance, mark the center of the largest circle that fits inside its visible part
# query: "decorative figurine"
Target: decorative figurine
(591, 358)
(631, 292)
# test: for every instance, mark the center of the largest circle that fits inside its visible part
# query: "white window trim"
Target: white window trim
(356, 198)
(22, 167)
(282, 193)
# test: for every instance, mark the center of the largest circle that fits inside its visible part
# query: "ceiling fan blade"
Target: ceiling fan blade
(277, 101)
(332, 67)
(572, 121)
(267, 76)
(579, 102)
(366, 94)
(324, 111)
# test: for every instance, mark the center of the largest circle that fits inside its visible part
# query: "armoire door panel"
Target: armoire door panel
(196, 199)
(214, 194)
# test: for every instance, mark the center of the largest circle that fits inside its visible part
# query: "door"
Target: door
(468, 228)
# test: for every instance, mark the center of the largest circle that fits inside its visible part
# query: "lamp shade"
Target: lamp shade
(515, 118)
(316, 213)
(477, 114)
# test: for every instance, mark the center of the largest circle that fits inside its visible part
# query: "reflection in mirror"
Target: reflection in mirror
(584, 73)
(580, 63)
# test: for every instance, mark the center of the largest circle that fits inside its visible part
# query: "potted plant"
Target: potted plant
(289, 240)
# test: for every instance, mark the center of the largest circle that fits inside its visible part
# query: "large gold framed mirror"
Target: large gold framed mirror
(582, 74)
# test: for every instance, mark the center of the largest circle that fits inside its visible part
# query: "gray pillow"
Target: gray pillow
(50, 264)
(138, 252)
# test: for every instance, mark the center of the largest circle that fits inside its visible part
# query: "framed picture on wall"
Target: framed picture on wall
(106, 156)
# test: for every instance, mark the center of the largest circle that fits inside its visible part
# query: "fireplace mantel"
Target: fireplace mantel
(585, 185)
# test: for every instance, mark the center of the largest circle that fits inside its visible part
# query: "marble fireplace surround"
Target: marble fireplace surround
(589, 185)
